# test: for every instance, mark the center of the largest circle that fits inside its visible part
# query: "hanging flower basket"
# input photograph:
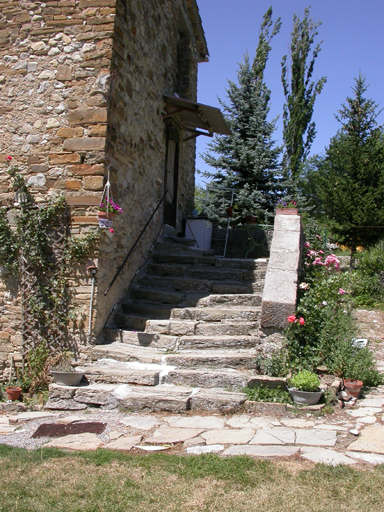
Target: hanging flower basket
(105, 219)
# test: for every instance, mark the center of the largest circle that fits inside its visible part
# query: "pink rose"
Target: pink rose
(301, 321)
(291, 319)
(9, 158)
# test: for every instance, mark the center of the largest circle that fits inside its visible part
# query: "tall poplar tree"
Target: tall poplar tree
(351, 180)
(248, 159)
(300, 94)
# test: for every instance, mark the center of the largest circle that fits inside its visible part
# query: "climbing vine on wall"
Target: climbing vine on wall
(36, 248)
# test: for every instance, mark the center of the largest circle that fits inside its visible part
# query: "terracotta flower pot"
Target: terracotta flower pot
(13, 393)
(286, 211)
(105, 219)
(353, 387)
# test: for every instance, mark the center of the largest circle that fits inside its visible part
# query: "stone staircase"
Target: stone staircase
(184, 339)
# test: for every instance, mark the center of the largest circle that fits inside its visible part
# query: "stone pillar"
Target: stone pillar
(280, 288)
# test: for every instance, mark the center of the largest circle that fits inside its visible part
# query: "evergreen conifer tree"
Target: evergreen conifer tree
(351, 180)
(248, 160)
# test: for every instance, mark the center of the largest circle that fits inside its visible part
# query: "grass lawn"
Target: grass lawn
(51, 480)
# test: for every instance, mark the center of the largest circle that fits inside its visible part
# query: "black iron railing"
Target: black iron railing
(120, 268)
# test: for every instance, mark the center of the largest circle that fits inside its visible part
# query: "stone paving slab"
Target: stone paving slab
(324, 456)
(262, 451)
(141, 422)
(171, 435)
(276, 436)
(316, 437)
(372, 402)
(204, 422)
(124, 443)
(30, 416)
(198, 450)
(86, 442)
(372, 458)
(371, 440)
(228, 436)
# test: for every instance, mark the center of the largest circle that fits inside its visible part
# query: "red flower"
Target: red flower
(291, 319)
(9, 158)
(301, 321)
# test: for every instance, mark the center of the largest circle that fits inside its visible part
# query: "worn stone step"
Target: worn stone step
(111, 371)
(124, 352)
(210, 273)
(183, 259)
(196, 328)
(226, 329)
(190, 283)
(182, 249)
(147, 309)
(220, 342)
(175, 399)
(207, 378)
(142, 339)
(212, 359)
(161, 296)
(249, 264)
(226, 300)
(217, 314)
(130, 322)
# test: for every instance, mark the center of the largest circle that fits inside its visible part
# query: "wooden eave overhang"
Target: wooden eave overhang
(196, 117)
(198, 31)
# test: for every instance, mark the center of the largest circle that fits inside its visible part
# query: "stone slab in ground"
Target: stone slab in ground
(262, 451)
(276, 436)
(30, 416)
(297, 423)
(217, 400)
(372, 402)
(85, 442)
(372, 458)
(265, 407)
(170, 435)
(204, 422)
(198, 450)
(316, 437)
(324, 456)
(140, 422)
(364, 411)
(371, 440)
(228, 436)
(123, 443)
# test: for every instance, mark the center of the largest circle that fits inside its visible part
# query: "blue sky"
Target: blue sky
(352, 32)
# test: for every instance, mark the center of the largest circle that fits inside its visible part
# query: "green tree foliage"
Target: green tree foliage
(351, 180)
(300, 93)
(248, 160)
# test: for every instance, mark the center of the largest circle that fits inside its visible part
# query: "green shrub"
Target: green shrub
(263, 393)
(305, 381)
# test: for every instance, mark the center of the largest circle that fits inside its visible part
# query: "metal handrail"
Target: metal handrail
(134, 245)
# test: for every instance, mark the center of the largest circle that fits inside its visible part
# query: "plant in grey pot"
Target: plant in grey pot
(62, 372)
(305, 388)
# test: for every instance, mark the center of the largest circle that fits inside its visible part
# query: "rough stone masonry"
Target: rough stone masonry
(81, 89)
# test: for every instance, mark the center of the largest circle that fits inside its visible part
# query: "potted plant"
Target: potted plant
(286, 207)
(62, 372)
(107, 211)
(353, 387)
(13, 392)
(305, 388)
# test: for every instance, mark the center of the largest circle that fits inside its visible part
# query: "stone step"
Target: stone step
(175, 399)
(111, 371)
(146, 309)
(183, 259)
(161, 296)
(229, 300)
(209, 314)
(248, 264)
(228, 378)
(124, 352)
(130, 322)
(194, 328)
(165, 342)
(199, 359)
(182, 249)
(142, 339)
(210, 273)
(240, 358)
(220, 342)
(191, 283)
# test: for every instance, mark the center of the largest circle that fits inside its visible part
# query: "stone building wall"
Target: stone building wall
(81, 91)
